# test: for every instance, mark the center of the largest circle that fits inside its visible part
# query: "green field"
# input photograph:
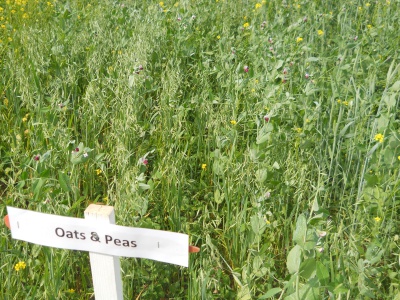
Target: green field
(267, 131)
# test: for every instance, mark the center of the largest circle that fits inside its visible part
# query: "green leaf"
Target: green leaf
(21, 185)
(64, 181)
(279, 64)
(131, 80)
(315, 206)
(270, 293)
(218, 168)
(294, 259)
(218, 197)
(322, 273)
(99, 157)
(45, 156)
(308, 268)
(371, 180)
(144, 186)
(262, 138)
(340, 289)
(373, 149)
(257, 224)
(395, 87)
(299, 235)
(343, 131)
(37, 187)
(374, 253)
(390, 100)
(312, 59)
(244, 293)
(382, 123)
(306, 292)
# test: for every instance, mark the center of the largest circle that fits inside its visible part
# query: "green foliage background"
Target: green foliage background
(301, 206)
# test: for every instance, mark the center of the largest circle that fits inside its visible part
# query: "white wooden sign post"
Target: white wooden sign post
(106, 275)
(104, 240)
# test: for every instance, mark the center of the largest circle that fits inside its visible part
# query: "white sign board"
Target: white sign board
(85, 235)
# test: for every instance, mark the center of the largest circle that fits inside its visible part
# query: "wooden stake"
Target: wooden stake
(106, 269)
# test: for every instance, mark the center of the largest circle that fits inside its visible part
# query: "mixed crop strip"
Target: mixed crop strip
(266, 130)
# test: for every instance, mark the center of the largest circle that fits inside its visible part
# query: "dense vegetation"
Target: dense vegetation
(268, 131)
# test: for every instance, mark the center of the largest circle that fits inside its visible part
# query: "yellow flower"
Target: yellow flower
(176, 4)
(320, 32)
(161, 4)
(379, 137)
(204, 166)
(245, 25)
(267, 222)
(5, 101)
(398, 157)
(299, 39)
(98, 171)
(368, 4)
(258, 5)
(339, 101)
(377, 219)
(71, 291)
(20, 266)
(369, 26)
(345, 103)
(233, 122)
(298, 130)
(218, 37)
